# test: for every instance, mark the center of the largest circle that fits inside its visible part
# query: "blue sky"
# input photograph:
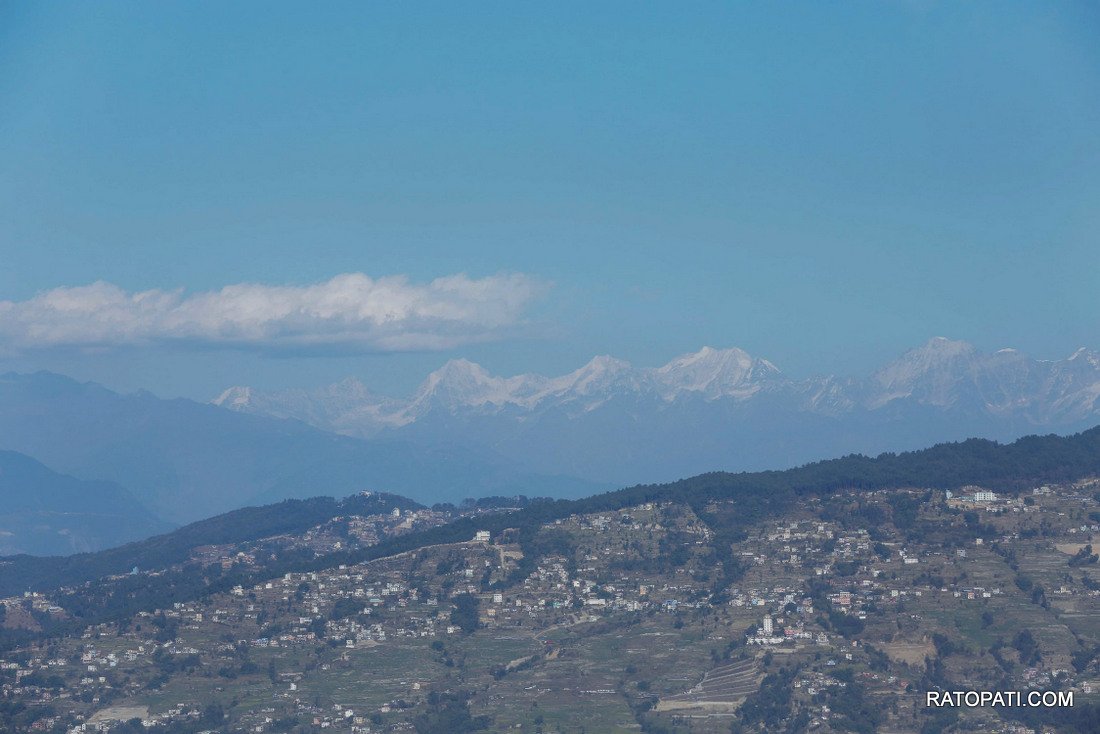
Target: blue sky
(822, 185)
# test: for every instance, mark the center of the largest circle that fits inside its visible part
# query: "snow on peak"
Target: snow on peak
(599, 369)
(604, 363)
(1084, 362)
(1087, 355)
(931, 355)
(461, 382)
(603, 374)
(458, 371)
(941, 373)
(932, 368)
(716, 373)
(351, 385)
(237, 397)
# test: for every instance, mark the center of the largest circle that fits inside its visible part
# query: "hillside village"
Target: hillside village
(622, 620)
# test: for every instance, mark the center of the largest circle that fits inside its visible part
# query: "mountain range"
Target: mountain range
(714, 409)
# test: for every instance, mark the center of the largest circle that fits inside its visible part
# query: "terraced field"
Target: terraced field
(723, 687)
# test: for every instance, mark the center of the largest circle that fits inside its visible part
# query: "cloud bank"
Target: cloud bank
(349, 312)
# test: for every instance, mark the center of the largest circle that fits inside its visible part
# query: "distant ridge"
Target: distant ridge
(609, 421)
(46, 513)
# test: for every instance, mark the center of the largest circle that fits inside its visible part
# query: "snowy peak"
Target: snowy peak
(238, 397)
(346, 406)
(600, 374)
(949, 374)
(241, 398)
(1085, 357)
(1072, 386)
(716, 373)
(350, 388)
(934, 354)
(457, 375)
(930, 372)
(942, 374)
(461, 382)
(603, 365)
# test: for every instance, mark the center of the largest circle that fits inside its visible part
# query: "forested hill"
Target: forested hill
(1005, 468)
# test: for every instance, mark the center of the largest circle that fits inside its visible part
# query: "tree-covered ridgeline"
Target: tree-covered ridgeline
(754, 496)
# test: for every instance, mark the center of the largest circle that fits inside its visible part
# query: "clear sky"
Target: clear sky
(530, 184)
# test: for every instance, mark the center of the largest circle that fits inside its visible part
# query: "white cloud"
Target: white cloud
(351, 311)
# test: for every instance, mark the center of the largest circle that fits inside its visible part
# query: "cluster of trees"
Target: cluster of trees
(1083, 557)
(464, 615)
(846, 625)
(770, 705)
(1025, 644)
(853, 711)
(449, 712)
(345, 607)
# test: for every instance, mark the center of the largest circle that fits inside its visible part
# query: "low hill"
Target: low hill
(25, 572)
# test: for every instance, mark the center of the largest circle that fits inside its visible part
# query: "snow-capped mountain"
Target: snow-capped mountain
(461, 385)
(716, 373)
(344, 407)
(931, 374)
(954, 375)
(712, 409)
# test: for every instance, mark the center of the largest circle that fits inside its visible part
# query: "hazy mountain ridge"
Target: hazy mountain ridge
(186, 460)
(713, 409)
(47, 513)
